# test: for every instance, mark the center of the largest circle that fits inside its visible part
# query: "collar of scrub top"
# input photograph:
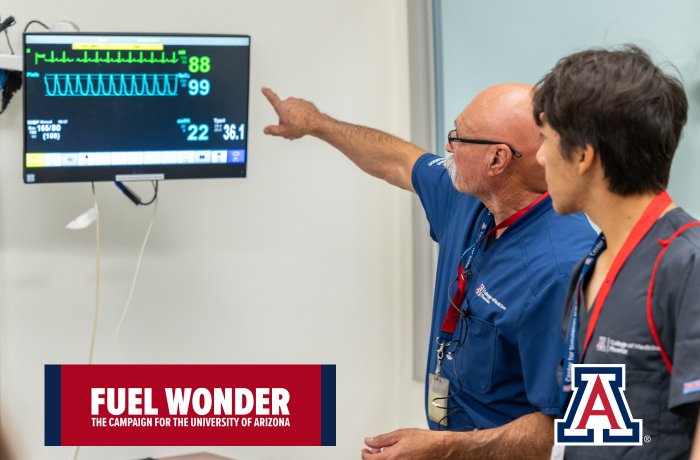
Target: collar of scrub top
(455, 310)
(571, 356)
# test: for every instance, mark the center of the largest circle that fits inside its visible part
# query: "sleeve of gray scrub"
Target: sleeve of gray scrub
(685, 378)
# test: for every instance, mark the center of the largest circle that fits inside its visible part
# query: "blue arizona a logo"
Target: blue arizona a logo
(598, 413)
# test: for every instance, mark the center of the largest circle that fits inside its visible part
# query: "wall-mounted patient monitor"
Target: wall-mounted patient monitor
(105, 107)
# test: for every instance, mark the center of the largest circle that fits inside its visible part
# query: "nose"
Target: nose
(540, 156)
(448, 147)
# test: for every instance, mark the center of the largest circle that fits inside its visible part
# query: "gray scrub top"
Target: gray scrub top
(668, 404)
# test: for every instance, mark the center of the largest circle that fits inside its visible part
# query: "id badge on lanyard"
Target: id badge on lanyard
(439, 386)
(438, 391)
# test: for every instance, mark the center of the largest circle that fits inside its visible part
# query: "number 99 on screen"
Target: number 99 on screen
(197, 87)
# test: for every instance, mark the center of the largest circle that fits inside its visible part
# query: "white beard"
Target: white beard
(451, 168)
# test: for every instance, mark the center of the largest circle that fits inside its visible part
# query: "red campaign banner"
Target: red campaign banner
(177, 405)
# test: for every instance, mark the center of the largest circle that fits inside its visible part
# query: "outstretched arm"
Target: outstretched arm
(375, 152)
(529, 437)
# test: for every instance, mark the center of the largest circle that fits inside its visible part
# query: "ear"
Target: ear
(500, 158)
(586, 158)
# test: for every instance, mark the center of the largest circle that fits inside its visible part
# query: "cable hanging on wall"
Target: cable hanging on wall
(134, 197)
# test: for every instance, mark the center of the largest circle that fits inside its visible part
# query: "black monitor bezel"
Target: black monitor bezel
(110, 173)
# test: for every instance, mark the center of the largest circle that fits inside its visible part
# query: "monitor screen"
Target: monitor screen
(104, 107)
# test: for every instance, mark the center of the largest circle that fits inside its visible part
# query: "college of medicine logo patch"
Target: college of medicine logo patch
(598, 413)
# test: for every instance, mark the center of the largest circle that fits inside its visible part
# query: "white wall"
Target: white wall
(305, 261)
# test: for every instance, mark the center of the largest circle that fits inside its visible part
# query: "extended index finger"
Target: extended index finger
(271, 96)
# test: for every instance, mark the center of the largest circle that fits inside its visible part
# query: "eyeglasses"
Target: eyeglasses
(452, 137)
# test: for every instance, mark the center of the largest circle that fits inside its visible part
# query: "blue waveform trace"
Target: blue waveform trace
(112, 84)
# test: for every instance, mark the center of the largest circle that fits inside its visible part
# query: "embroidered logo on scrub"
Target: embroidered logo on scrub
(610, 345)
(488, 298)
(598, 413)
(438, 161)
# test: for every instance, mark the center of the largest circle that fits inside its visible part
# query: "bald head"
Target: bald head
(504, 113)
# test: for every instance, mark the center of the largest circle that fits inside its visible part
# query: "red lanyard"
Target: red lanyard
(640, 229)
(452, 315)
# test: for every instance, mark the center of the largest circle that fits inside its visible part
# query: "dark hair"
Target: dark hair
(624, 106)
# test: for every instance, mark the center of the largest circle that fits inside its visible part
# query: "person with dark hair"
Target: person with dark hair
(611, 121)
(504, 262)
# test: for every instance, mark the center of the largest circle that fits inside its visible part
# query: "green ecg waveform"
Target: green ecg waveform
(111, 57)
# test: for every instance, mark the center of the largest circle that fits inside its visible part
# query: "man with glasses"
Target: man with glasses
(504, 261)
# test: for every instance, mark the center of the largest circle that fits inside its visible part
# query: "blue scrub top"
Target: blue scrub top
(509, 346)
